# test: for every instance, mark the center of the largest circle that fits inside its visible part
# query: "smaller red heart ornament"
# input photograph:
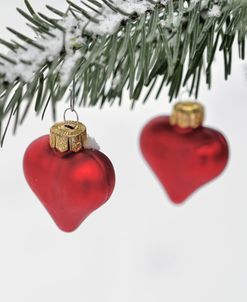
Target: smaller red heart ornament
(70, 185)
(183, 158)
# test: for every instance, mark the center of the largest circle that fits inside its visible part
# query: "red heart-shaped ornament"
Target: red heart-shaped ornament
(69, 185)
(183, 158)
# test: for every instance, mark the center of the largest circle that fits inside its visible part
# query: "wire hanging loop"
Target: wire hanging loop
(184, 92)
(72, 104)
(188, 92)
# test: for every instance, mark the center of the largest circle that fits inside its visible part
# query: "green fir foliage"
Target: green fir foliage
(171, 44)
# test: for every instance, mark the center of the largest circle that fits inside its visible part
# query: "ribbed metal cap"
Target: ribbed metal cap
(68, 136)
(187, 115)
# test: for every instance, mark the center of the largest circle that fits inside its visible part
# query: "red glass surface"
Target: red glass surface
(183, 159)
(69, 185)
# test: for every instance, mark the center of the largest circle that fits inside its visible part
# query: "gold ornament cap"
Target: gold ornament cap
(68, 136)
(187, 115)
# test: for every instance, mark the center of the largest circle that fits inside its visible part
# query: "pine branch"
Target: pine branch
(108, 45)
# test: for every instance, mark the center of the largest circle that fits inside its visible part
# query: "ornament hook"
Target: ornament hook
(184, 92)
(72, 110)
(72, 103)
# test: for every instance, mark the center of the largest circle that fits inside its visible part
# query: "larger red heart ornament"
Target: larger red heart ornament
(183, 158)
(70, 185)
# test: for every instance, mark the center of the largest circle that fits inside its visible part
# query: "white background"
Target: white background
(138, 247)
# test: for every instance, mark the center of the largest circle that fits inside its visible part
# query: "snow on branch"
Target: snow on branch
(23, 62)
(107, 45)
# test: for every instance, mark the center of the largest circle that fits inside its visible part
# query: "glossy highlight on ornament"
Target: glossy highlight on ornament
(183, 158)
(71, 185)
